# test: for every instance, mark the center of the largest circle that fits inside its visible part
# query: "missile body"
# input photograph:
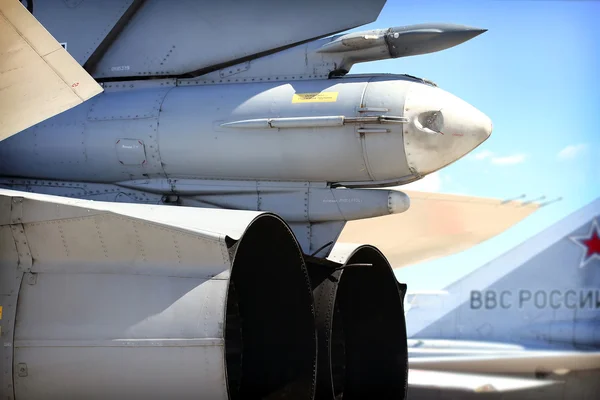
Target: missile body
(334, 56)
(402, 41)
(360, 131)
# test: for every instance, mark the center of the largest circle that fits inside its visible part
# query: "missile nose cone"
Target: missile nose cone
(452, 35)
(441, 128)
(470, 33)
(488, 128)
(428, 38)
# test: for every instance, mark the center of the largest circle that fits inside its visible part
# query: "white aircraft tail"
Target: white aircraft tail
(543, 293)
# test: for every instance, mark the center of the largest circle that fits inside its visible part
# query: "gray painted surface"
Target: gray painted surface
(549, 261)
(316, 213)
(122, 299)
(254, 146)
(117, 283)
(533, 312)
(179, 130)
(294, 201)
(93, 293)
(82, 25)
(262, 125)
(125, 300)
(149, 43)
(67, 320)
(335, 55)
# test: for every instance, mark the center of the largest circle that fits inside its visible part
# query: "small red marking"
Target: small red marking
(140, 142)
(75, 84)
(458, 134)
(592, 244)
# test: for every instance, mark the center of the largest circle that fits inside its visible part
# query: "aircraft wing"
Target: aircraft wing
(38, 78)
(436, 225)
(141, 38)
(523, 362)
(474, 383)
(450, 366)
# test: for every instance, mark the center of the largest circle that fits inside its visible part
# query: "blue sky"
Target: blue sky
(536, 74)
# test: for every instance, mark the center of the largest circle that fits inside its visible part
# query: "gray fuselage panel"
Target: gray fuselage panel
(147, 130)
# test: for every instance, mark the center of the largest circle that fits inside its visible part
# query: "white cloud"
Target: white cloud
(431, 183)
(482, 155)
(571, 151)
(498, 160)
(509, 160)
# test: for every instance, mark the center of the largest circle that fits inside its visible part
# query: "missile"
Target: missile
(356, 132)
(403, 41)
(334, 56)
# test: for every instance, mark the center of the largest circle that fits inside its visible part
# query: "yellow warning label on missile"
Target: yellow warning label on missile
(320, 97)
(0, 312)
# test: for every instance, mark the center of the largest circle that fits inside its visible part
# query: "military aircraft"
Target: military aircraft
(246, 115)
(230, 121)
(525, 325)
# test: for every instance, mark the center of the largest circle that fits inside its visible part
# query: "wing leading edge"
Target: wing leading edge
(436, 225)
(450, 382)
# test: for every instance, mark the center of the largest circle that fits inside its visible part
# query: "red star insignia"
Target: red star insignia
(590, 244)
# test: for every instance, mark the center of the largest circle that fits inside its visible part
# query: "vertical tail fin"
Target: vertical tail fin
(544, 292)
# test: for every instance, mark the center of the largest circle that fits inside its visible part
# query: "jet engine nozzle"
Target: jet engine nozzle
(360, 323)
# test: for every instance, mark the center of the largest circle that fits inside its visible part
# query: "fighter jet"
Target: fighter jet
(525, 325)
(245, 114)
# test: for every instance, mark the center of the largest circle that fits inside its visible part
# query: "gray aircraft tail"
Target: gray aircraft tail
(544, 293)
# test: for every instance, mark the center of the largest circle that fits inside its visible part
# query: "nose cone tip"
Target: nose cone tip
(474, 32)
(461, 34)
(443, 128)
(488, 127)
(466, 32)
